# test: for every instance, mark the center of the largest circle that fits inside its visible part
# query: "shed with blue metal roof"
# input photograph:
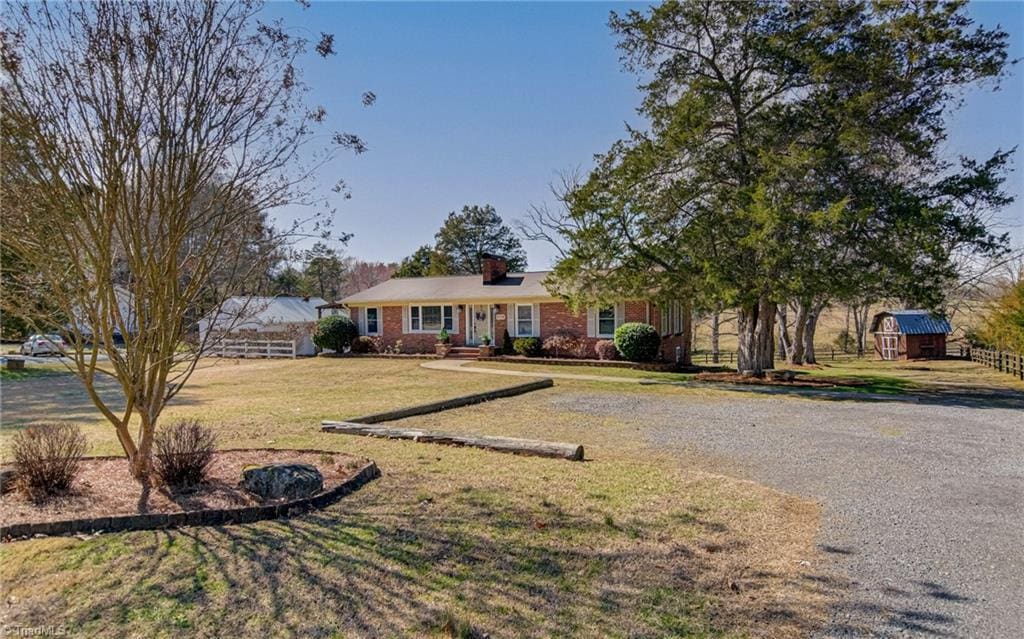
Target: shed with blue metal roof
(910, 334)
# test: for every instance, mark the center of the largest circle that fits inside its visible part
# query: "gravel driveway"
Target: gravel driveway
(923, 503)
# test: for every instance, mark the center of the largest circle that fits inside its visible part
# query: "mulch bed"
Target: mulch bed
(600, 363)
(105, 488)
(797, 382)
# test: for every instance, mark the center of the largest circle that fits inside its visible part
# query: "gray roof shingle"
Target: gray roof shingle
(456, 288)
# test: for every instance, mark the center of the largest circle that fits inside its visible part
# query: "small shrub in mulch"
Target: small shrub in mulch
(47, 457)
(566, 345)
(527, 346)
(364, 344)
(183, 452)
(605, 349)
(104, 487)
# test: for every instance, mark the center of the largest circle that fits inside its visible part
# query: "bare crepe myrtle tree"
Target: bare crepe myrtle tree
(143, 143)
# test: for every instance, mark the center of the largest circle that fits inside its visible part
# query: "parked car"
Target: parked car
(44, 345)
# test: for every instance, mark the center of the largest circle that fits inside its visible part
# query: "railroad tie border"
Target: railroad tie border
(533, 447)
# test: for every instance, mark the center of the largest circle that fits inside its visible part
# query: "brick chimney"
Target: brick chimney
(495, 268)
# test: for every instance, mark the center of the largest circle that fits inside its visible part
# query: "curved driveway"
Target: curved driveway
(923, 503)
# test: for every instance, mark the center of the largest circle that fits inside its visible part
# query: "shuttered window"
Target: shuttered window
(524, 320)
(606, 321)
(373, 321)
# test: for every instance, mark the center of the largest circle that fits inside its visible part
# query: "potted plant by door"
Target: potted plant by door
(486, 350)
(443, 345)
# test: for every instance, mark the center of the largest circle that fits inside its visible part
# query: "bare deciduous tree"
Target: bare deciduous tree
(149, 139)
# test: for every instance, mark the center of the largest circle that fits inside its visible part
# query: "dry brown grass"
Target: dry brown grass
(628, 543)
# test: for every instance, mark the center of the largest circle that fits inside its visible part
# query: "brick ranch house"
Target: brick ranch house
(472, 307)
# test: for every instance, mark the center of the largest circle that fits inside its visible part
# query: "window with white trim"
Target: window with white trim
(673, 316)
(524, 320)
(373, 321)
(427, 319)
(606, 321)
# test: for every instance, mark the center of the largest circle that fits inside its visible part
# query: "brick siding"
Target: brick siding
(555, 317)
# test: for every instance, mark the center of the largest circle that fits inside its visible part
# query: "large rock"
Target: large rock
(289, 481)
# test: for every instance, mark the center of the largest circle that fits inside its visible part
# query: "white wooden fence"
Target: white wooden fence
(255, 348)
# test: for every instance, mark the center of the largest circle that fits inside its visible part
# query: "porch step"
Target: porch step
(463, 352)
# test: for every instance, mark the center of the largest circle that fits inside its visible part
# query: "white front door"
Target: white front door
(479, 323)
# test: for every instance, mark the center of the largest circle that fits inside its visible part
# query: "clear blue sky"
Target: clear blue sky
(486, 102)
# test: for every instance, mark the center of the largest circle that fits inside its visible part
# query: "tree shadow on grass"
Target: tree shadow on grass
(972, 397)
(377, 565)
(386, 571)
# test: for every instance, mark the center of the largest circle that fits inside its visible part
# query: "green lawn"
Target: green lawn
(923, 374)
(31, 372)
(628, 543)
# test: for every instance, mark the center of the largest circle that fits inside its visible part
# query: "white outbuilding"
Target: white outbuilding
(253, 322)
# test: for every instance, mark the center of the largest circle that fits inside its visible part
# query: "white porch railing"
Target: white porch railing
(255, 348)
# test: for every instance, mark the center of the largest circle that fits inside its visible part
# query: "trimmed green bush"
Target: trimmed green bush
(335, 332)
(637, 342)
(506, 344)
(528, 346)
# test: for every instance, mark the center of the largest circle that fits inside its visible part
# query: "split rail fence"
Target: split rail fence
(1002, 361)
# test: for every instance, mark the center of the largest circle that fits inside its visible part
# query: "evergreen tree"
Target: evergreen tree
(793, 153)
(466, 236)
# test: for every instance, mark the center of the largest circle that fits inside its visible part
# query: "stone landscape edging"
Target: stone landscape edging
(665, 367)
(380, 355)
(454, 402)
(205, 517)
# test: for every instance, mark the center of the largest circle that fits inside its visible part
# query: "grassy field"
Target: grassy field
(449, 542)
